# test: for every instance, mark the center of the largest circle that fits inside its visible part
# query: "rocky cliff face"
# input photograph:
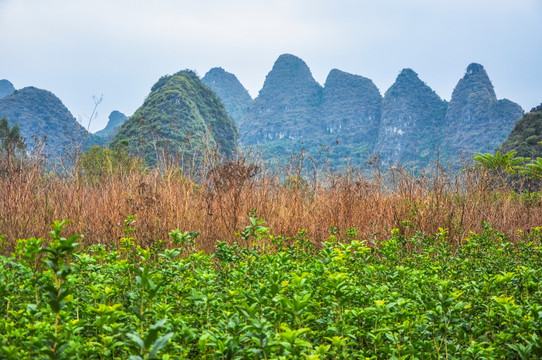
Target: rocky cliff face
(233, 94)
(350, 114)
(351, 109)
(293, 112)
(412, 120)
(116, 119)
(6, 88)
(180, 120)
(286, 108)
(526, 135)
(475, 120)
(40, 113)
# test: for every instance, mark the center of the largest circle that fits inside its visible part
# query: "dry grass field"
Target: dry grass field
(217, 202)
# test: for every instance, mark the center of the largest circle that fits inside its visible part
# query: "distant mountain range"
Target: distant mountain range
(349, 120)
(346, 121)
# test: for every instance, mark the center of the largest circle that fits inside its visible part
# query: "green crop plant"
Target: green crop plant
(410, 297)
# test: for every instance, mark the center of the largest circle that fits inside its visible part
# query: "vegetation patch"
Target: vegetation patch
(265, 296)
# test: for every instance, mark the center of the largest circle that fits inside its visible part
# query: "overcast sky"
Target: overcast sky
(119, 48)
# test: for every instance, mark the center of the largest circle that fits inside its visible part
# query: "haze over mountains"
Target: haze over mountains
(116, 119)
(347, 120)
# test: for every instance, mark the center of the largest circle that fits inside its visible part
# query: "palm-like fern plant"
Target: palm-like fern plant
(500, 162)
(533, 170)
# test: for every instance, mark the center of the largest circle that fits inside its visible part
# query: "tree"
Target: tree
(12, 145)
(500, 169)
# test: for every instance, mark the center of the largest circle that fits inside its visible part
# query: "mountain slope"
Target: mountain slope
(235, 97)
(526, 135)
(6, 88)
(40, 113)
(412, 119)
(180, 120)
(350, 112)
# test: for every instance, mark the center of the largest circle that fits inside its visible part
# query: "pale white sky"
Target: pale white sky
(119, 48)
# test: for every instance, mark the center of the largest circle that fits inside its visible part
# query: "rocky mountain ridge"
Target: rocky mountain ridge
(410, 126)
(476, 121)
(411, 123)
(286, 106)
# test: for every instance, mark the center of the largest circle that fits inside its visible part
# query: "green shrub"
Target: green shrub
(100, 162)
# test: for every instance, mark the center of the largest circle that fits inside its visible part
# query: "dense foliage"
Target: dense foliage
(526, 136)
(266, 296)
(11, 142)
(180, 120)
(99, 164)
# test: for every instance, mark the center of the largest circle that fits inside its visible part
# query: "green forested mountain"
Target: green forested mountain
(475, 120)
(235, 97)
(40, 113)
(526, 136)
(179, 120)
(411, 125)
(116, 119)
(6, 88)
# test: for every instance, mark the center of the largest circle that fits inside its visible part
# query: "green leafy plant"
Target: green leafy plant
(417, 296)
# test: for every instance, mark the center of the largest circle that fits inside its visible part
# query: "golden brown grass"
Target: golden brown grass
(219, 204)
